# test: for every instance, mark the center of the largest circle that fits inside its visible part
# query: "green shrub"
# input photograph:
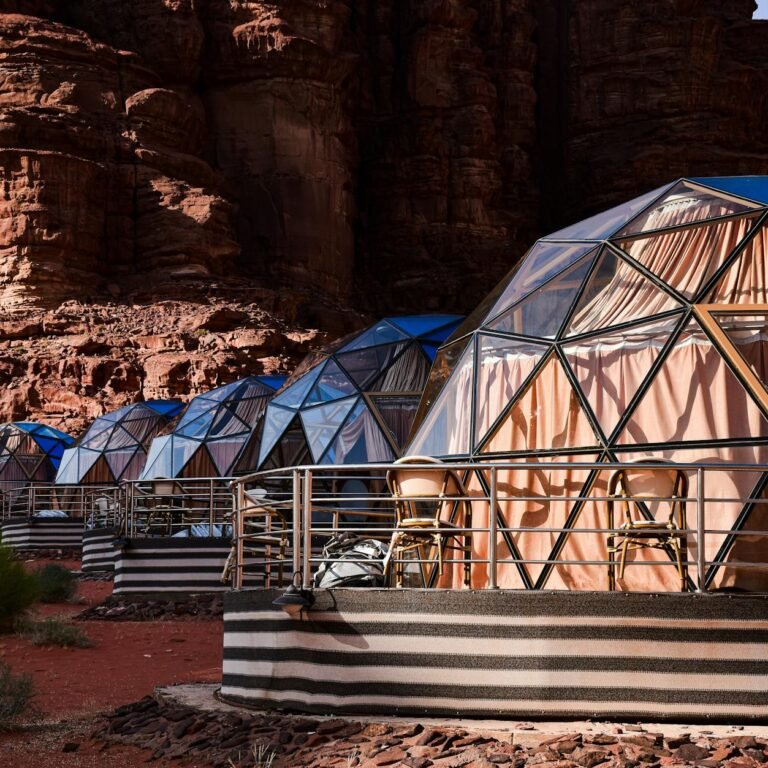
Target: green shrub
(18, 589)
(16, 692)
(53, 632)
(57, 584)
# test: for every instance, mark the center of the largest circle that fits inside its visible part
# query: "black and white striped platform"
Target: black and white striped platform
(43, 533)
(98, 550)
(156, 564)
(496, 653)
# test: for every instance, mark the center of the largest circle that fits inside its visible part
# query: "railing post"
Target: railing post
(210, 507)
(492, 496)
(238, 530)
(296, 521)
(306, 522)
(701, 557)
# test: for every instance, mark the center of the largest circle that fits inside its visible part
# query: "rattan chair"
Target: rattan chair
(653, 488)
(427, 500)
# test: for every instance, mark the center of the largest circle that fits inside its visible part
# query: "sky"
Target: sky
(762, 9)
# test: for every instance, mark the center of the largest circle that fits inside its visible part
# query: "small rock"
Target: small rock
(691, 752)
(389, 756)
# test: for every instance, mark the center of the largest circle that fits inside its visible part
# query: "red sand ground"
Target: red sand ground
(126, 662)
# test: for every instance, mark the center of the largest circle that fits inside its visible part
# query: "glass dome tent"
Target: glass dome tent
(30, 453)
(638, 333)
(355, 401)
(218, 434)
(115, 446)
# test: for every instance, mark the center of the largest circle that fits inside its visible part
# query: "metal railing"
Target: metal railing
(181, 507)
(285, 517)
(94, 505)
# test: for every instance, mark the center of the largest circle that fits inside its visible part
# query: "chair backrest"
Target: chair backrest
(164, 486)
(414, 486)
(656, 488)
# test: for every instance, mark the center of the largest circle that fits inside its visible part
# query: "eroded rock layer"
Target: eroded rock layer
(388, 157)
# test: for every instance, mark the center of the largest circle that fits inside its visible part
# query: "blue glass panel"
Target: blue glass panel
(46, 443)
(276, 421)
(322, 423)
(57, 451)
(442, 333)
(752, 187)
(274, 382)
(421, 325)
(197, 407)
(27, 426)
(332, 385)
(167, 408)
(607, 223)
(381, 333)
(430, 350)
(294, 396)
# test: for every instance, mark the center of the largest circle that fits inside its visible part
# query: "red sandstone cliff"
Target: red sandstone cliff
(163, 160)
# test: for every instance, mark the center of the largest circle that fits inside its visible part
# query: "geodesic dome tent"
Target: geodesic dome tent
(355, 402)
(638, 333)
(115, 446)
(218, 434)
(30, 453)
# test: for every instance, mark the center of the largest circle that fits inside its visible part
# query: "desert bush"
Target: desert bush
(18, 589)
(57, 584)
(16, 692)
(53, 632)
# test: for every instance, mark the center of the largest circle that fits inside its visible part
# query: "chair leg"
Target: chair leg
(624, 548)
(611, 565)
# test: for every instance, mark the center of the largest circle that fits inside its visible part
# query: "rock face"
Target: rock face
(389, 156)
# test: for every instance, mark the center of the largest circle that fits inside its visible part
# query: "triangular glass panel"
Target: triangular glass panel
(360, 441)
(748, 333)
(541, 313)
(224, 453)
(685, 203)
(97, 435)
(323, 422)
(118, 461)
(442, 367)
(408, 373)
(227, 423)
(364, 365)
(542, 263)
(398, 413)
(67, 472)
(334, 384)
(505, 365)
(183, 450)
(421, 325)
(548, 415)
(222, 393)
(605, 224)
(248, 412)
(693, 397)
(293, 396)
(752, 187)
(121, 438)
(611, 368)
(197, 428)
(381, 333)
(273, 381)
(290, 451)
(276, 421)
(686, 259)
(85, 462)
(746, 279)
(617, 293)
(135, 466)
(167, 408)
(446, 429)
(158, 463)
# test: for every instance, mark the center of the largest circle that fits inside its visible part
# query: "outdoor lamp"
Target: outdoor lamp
(295, 599)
